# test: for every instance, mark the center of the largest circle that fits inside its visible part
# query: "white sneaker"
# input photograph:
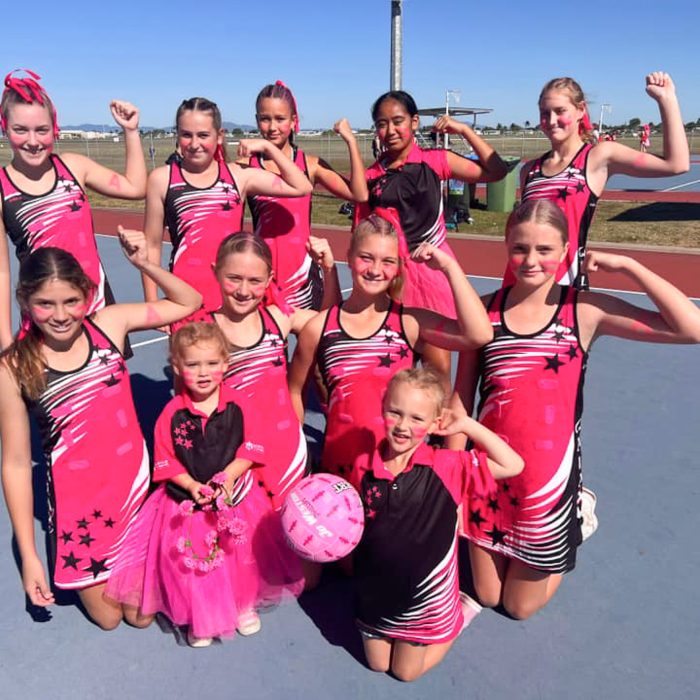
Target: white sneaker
(248, 623)
(198, 642)
(589, 522)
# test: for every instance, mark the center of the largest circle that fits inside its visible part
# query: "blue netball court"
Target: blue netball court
(624, 624)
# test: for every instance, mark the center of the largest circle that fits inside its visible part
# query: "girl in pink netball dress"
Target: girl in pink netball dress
(361, 343)
(199, 196)
(256, 321)
(66, 366)
(207, 549)
(408, 178)
(285, 224)
(530, 379)
(574, 171)
(42, 195)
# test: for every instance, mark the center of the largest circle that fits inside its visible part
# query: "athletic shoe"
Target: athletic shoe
(248, 623)
(589, 522)
(470, 609)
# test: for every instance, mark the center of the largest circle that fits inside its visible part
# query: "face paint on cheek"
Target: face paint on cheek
(389, 422)
(229, 287)
(514, 262)
(564, 120)
(40, 314)
(550, 267)
(217, 375)
(419, 432)
(189, 375)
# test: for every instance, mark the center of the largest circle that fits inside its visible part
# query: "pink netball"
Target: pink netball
(323, 518)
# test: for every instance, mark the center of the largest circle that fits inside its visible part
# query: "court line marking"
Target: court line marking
(680, 187)
(150, 342)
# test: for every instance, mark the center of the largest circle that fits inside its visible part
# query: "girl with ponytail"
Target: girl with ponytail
(574, 171)
(199, 196)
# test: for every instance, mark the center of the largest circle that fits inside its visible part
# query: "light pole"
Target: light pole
(396, 45)
(605, 107)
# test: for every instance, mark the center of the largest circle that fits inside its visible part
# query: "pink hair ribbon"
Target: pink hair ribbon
(30, 91)
(25, 326)
(275, 297)
(585, 123)
(294, 105)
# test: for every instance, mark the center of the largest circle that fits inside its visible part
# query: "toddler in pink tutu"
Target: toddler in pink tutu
(207, 549)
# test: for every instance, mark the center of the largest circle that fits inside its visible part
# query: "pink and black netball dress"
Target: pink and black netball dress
(285, 224)
(97, 461)
(356, 372)
(531, 388)
(569, 190)
(414, 189)
(260, 373)
(198, 219)
(407, 585)
(60, 218)
(191, 565)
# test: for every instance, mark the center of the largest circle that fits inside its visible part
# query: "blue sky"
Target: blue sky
(335, 55)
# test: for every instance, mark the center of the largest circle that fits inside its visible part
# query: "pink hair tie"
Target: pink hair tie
(30, 91)
(294, 105)
(219, 154)
(25, 326)
(585, 123)
(275, 297)
(392, 216)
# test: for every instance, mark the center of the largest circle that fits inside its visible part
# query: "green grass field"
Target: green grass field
(645, 223)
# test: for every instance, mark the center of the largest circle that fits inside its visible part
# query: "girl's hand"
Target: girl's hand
(201, 493)
(134, 246)
(432, 256)
(343, 129)
(247, 147)
(660, 86)
(35, 584)
(452, 422)
(320, 251)
(447, 125)
(125, 114)
(607, 262)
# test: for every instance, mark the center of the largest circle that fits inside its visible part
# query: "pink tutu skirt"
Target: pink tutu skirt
(195, 573)
(426, 288)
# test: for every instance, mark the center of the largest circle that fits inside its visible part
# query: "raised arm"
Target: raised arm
(354, 187)
(612, 158)
(154, 225)
(17, 485)
(291, 182)
(472, 329)
(131, 185)
(676, 321)
(180, 299)
(5, 290)
(488, 168)
(503, 460)
(322, 255)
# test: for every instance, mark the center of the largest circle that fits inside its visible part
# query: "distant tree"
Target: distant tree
(527, 124)
(634, 123)
(515, 127)
(237, 132)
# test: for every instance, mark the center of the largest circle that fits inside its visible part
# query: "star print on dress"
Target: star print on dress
(70, 560)
(66, 537)
(553, 363)
(96, 567)
(476, 517)
(497, 536)
(86, 539)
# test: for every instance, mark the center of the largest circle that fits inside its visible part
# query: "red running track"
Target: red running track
(484, 256)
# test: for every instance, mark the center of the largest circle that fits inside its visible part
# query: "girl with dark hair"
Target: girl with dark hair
(199, 196)
(408, 178)
(42, 195)
(574, 171)
(66, 366)
(285, 224)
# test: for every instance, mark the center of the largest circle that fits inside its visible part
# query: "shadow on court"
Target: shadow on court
(661, 211)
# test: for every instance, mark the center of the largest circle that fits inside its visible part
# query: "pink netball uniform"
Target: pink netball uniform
(285, 224)
(194, 567)
(531, 395)
(60, 218)
(97, 462)
(415, 191)
(356, 372)
(570, 191)
(406, 562)
(198, 220)
(260, 373)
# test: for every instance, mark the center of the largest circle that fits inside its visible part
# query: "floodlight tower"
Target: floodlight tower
(396, 45)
